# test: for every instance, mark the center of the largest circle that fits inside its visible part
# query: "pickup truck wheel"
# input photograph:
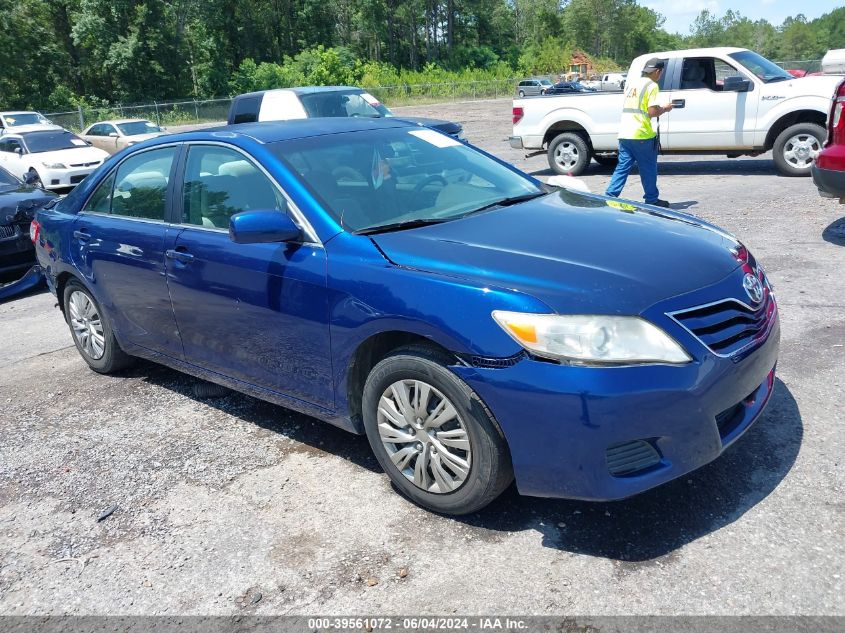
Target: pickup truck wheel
(569, 154)
(606, 160)
(796, 147)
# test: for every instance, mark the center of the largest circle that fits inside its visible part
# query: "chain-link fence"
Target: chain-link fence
(196, 111)
(807, 65)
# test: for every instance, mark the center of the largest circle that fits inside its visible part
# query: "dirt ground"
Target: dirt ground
(231, 505)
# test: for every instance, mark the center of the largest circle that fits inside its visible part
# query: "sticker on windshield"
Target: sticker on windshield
(78, 141)
(435, 138)
(366, 96)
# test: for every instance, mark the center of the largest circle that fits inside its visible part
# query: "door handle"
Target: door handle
(679, 103)
(180, 256)
(82, 236)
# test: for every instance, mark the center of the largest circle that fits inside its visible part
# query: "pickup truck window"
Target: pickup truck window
(764, 69)
(705, 73)
(342, 104)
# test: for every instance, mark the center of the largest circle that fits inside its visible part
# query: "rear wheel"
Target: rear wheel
(569, 154)
(91, 331)
(796, 147)
(521, 94)
(432, 435)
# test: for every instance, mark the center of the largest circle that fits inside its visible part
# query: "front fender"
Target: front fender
(785, 107)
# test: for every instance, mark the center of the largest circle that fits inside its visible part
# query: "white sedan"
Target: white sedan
(48, 156)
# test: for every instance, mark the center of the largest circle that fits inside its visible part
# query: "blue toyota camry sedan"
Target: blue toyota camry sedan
(477, 325)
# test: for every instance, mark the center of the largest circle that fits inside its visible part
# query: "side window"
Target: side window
(4, 146)
(246, 110)
(108, 129)
(220, 182)
(14, 144)
(705, 73)
(100, 200)
(140, 189)
(721, 70)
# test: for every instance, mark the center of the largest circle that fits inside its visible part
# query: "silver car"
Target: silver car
(113, 136)
(532, 87)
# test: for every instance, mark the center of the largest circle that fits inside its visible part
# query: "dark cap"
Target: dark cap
(653, 64)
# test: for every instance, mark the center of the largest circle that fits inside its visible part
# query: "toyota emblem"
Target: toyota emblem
(753, 287)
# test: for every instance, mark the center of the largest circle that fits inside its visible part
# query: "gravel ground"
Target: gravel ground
(234, 506)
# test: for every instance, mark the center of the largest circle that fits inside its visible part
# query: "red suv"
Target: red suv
(829, 168)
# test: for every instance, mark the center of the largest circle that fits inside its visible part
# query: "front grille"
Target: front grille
(629, 458)
(7, 231)
(728, 327)
(96, 162)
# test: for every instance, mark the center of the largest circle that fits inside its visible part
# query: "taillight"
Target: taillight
(836, 120)
(34, 229)
(517, 115)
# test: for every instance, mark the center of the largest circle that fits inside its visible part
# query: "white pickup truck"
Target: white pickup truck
(728, 101)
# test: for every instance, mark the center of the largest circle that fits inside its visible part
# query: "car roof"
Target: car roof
(273, 131)
(117, 121)
(20, 130)
(8, 112)
(303, 90)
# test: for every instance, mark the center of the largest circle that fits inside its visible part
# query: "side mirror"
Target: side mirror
(259, 227)
(736, 84)
(18, 151)
(113, 134)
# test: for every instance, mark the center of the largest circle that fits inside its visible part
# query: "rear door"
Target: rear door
(711, 119)
(119, 243)
(254, 312)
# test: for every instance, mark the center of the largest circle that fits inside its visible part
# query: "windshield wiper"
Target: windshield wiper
(399, 226)
(506, 202)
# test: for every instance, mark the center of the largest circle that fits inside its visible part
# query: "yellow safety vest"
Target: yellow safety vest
(635, 123)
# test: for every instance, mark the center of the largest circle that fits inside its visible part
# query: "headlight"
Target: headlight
(54, 165)
(592, 339)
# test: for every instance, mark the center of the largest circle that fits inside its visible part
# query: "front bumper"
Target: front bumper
(63, 178)
(831, 183)
(566, 426)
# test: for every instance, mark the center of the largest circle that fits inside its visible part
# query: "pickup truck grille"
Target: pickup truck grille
(729, 327)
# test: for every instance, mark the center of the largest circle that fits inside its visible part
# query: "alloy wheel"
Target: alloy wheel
(566, 155)
(87, 325)
(800, 150)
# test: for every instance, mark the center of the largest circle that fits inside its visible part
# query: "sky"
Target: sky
(680, 14)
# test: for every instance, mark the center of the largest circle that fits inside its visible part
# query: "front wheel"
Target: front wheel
(569, 154)
(521, 94)
(796, 147)
(432, 435)
(91, 331)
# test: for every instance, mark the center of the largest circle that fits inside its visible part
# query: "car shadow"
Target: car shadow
(648, 526)
(732, 166)
(315, 434)
(658, 522)
(835, 232)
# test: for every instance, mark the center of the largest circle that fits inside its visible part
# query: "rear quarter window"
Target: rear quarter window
(245, 110)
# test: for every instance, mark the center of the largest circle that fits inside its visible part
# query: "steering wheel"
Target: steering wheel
(425, 182)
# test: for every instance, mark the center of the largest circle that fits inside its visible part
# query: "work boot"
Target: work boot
(659, 203)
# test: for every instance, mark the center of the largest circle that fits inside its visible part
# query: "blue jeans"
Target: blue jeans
(644, 153)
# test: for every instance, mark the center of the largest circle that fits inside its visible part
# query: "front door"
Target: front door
(711, 119)
(254, 312)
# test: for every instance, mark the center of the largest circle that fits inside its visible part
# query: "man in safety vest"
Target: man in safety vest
(637, 139)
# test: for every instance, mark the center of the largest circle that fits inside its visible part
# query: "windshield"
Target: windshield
(347, 103)
(24, 118)
(138, 127)
(375, 178)
(760, 66)
(545, 82)
(52, 141)
(8, 180)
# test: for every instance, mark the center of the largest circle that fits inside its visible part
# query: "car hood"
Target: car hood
(447, 127)
(18, 205)
(818, 86)
(72, 156)
(574, 252)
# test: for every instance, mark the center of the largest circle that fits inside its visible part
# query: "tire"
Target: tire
(607, 160)
(91, 331)
(796, 147)
(569, 154)
(521, 94)
(443, 487)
